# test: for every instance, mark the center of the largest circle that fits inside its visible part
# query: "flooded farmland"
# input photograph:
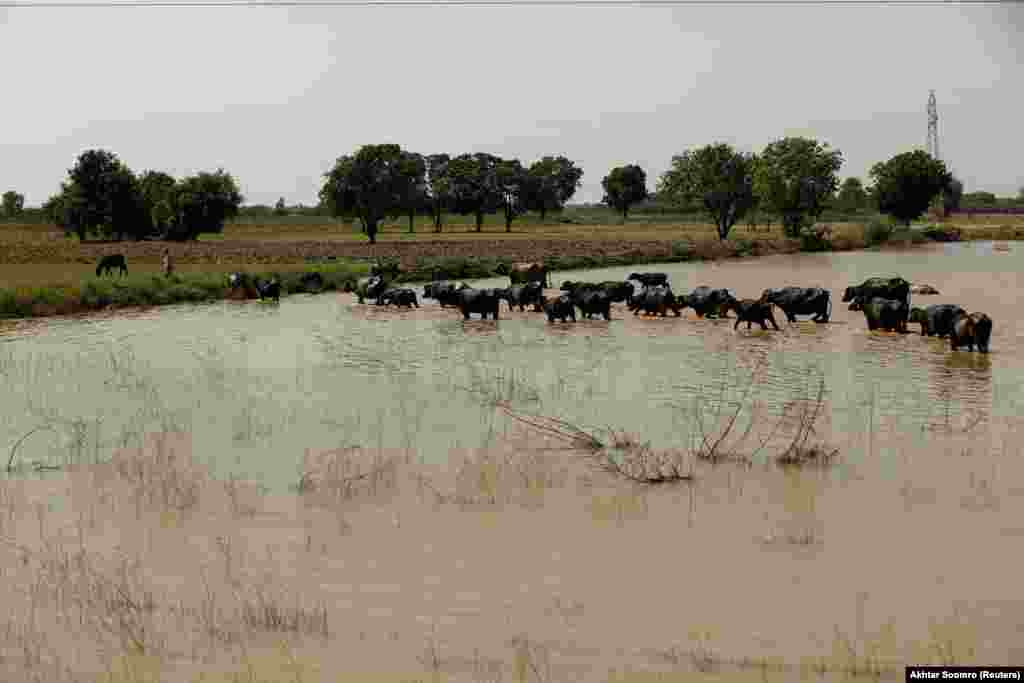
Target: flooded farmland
(903, 549)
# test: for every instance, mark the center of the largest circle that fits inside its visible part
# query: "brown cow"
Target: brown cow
(521, 273)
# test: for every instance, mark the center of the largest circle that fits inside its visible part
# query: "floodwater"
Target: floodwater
(907, 550)
(257, 383)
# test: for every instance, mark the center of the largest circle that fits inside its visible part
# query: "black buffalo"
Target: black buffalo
(982, 331)
(524, 295)
(268, 289)
(649, 279)
(886, 314)
(481, 301)
(561, 308)
(592, 302)
(656, 301)
(894, 288)
(963, 332)
(444, 291)
(370, 288)
(710, 303)
(801, 301)
(754, 311)
(616, 290)
(399, 296)
(312, 282)
(109, 263)
(936, 319)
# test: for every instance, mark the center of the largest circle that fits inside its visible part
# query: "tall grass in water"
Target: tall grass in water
(147, 289)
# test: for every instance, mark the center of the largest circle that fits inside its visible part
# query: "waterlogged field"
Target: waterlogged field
(318, 490)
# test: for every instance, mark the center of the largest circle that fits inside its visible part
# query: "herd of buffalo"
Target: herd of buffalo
(885, 302)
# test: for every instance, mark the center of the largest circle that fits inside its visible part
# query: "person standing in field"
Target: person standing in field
(167, 263)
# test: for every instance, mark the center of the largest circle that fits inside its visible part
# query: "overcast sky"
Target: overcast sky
(275, 95)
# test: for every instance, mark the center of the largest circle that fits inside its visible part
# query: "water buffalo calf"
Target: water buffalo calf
(801, 301)
(616, 290)
(754, 311)
(109, 263)
(561, 308)
(444, 291)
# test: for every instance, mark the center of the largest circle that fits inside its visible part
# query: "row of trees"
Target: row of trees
(103, 197)
(795, 178)
(386, 181)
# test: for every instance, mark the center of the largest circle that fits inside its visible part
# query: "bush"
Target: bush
(878, 231)
(818, 238)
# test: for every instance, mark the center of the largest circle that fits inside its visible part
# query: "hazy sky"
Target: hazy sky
(275, 95)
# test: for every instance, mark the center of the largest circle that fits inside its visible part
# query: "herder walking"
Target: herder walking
(167, 263)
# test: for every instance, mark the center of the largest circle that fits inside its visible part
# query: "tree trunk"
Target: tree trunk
(370, 227)
(543, 213)
(508, 219)
(411, 227)
(625, 213)
(479, 221)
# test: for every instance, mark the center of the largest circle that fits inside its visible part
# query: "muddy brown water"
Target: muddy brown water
(254, 379)
(908, 547)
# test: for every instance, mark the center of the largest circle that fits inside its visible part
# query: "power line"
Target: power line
(92, 4)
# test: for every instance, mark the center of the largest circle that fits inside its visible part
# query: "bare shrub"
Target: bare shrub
(267, 613)
(345, 474)
(162, 474)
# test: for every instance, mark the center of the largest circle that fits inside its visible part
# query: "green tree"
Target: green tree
(474, 184)
(202, 203)
(795, 177)
(366, 185)
(13, 204)
(550, 183)
(852, 195)
(952, 195)
(906, 184)
(412, 188)
(623, 187)
(980, 199)
(102, 196)
(513, 181)
(439, 187)
(715, 176)
(157, 190)
(280, 208)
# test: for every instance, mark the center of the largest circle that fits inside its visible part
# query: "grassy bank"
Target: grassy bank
(45, 277)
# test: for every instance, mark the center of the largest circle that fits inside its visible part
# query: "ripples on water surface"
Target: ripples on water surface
(259, 383)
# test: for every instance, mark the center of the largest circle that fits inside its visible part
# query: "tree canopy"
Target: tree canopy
(369, 185)
(623, 187)
(550, 183)
(796, 177)
(474, 185)
(905, 185)
(716, 177)
(852, 195)
(13, 204)
(202, 203)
